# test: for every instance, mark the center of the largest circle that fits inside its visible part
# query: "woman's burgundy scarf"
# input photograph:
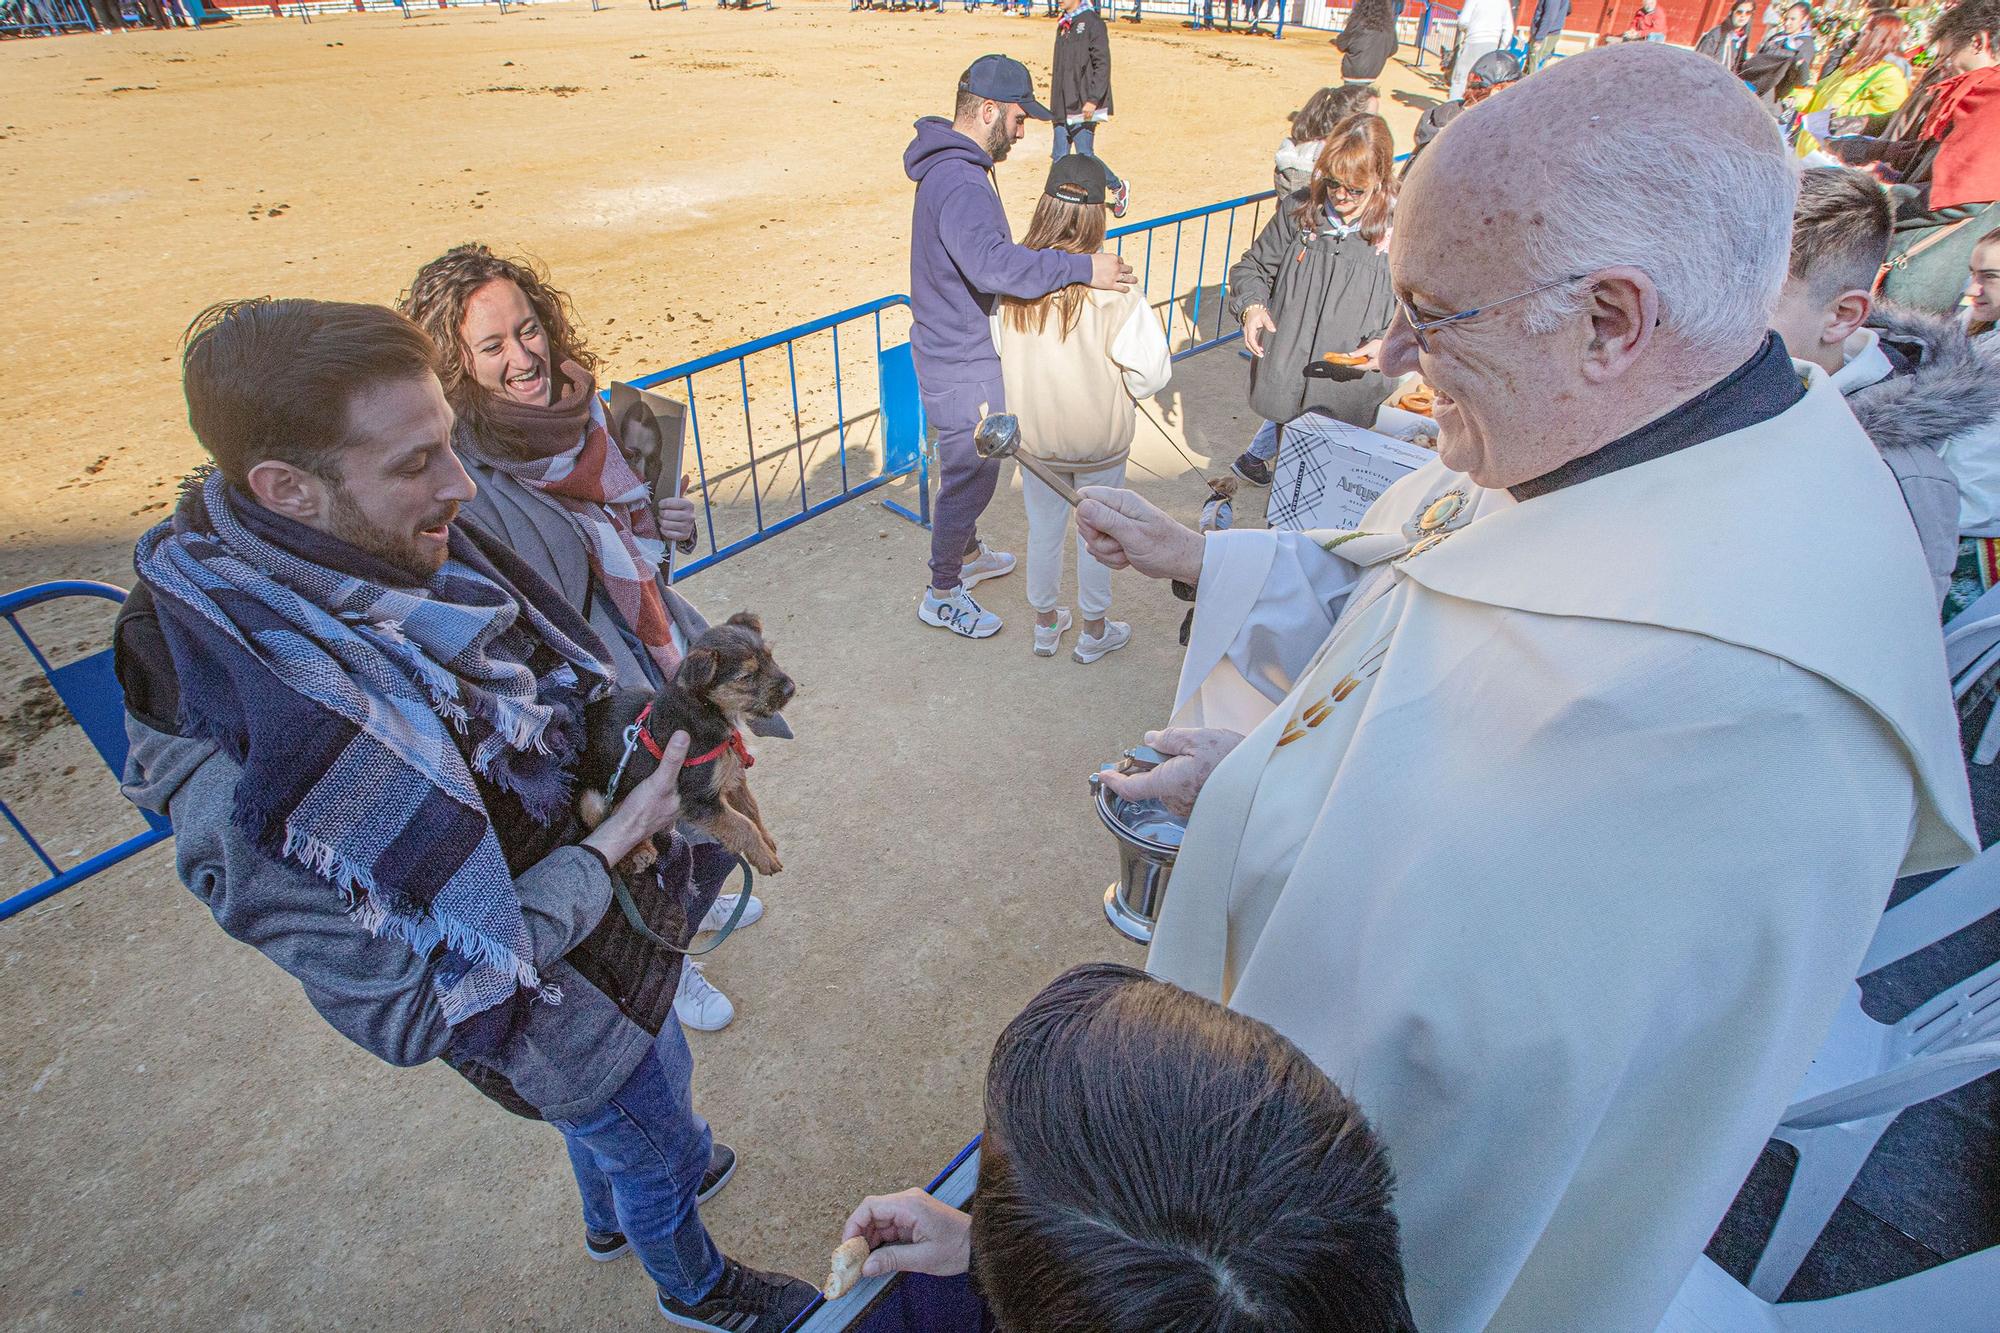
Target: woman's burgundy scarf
(564, 450)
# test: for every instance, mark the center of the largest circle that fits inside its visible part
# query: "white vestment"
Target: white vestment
(1561, 849)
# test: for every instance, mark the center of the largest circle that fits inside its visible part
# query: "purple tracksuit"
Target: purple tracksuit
(963, 257)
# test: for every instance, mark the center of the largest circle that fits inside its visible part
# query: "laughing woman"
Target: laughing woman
(555, 486)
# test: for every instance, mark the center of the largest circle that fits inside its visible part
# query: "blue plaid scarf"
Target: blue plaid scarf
(338, 693)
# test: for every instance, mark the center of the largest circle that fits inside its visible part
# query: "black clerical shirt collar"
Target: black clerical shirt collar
(1755, 391)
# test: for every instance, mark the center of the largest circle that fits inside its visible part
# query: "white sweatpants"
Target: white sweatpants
(1049, 521)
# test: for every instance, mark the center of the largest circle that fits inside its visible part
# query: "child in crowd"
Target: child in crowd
(1316, 280)
(1292, 171)
(1982, 296)
(1927, 399)
(1074, 363)
(1153, 1160)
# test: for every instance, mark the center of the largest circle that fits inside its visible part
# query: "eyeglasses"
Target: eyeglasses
(1346, 191)
(1418, 327)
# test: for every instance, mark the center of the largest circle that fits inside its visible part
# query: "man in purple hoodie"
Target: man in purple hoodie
(962, 259)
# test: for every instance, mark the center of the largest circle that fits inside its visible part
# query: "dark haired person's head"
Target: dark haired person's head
(995, 101)
(1840, 236)
(1331, 105)
(1355, 177)
(330, 414)
(505, 330)
(1373, 16)
(1966, 37)
(1796, 16)
(1154, 1161)
(1740, 16)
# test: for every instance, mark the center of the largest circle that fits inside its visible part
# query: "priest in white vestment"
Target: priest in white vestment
(1552, 811)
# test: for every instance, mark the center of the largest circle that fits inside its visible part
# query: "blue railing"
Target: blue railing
(855, 425)
(88, 688)
(20, 18)
(781, 429)
(1223, 231)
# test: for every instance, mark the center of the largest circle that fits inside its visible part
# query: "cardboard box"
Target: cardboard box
(1328, 473)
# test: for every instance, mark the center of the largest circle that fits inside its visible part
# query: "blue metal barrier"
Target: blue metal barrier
(881, 387)
(21, 18)
(89, 690)
(1182, 261)
(1224, 230)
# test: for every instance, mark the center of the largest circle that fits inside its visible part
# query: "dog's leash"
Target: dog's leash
(1185, 458)
(623, 892)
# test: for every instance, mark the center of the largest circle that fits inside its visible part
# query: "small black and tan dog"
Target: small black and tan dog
(727, 681)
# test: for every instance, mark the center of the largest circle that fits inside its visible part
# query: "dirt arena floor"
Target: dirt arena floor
(188, 1145)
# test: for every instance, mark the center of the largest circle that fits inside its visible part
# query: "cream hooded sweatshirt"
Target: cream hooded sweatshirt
(1074, 396)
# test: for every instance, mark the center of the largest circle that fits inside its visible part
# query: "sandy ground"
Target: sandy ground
(188, 1144)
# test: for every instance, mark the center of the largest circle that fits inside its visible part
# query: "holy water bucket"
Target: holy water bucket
(1149, 838)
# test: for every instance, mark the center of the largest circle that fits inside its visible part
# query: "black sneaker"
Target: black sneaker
(743, 1300)
(1253, 470)
(721, 1166)
(604, 1246)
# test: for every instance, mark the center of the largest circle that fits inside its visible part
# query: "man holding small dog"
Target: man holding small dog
(962, 259)
(364, 720)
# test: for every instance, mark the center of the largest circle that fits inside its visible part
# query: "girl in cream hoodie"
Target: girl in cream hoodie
(1074, 363)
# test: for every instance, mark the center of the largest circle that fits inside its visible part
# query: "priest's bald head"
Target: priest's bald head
(1619, 223)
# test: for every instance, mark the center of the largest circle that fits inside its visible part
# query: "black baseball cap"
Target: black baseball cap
(1003, 79)
(1080, 178)
(1494, 68)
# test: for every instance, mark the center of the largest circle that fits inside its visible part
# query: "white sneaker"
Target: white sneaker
(1116, 635)
(988, 564)
(1049, 637)
(958, 613)
(725, 904)
(700, 1005)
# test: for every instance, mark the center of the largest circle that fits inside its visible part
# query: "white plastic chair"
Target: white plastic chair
(1962, 1296)
(1971, 649)
(1867, 1073)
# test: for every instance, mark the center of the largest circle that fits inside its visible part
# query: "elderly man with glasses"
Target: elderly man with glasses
(1552, 810)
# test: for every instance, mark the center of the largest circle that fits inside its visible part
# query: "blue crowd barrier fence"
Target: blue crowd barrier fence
(88, 688)
(790, 425)
(824, 419)
(26, 18)
(1196, 314)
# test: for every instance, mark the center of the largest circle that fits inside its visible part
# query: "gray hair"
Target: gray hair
(1706, 215)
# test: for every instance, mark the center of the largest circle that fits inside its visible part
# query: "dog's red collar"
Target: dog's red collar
(735, 742)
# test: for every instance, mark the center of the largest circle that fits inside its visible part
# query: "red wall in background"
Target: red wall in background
(1687, 20)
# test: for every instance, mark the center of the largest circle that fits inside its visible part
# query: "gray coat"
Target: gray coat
(1327, 293)
(541, 532)
(1948, 390)
(564, 1059)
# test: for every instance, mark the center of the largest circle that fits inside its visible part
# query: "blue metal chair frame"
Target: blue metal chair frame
(89, 689)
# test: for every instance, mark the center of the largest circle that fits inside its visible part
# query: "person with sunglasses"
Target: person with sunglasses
(1316, 280)
(1551, 809)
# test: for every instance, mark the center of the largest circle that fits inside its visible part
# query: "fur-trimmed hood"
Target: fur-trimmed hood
(1951, 388)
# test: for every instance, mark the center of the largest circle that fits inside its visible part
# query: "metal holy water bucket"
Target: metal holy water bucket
(1149, 838)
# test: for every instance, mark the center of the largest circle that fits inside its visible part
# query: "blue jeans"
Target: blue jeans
(639, 1160)
(1082, 138)
(1264, 444)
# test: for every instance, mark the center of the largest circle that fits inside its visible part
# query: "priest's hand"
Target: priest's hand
(1125, 531)
(1194, 752)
